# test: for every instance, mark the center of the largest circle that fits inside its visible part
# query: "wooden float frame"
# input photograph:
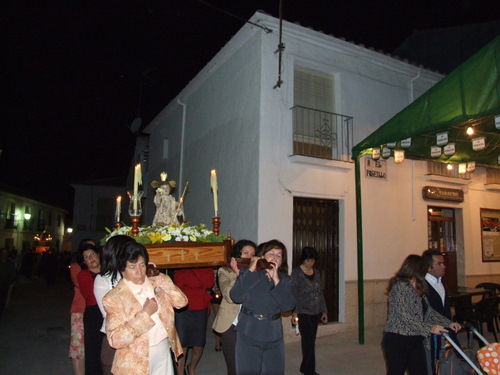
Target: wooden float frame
(189, 254)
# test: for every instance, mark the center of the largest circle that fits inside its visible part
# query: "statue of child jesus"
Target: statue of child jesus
(167, 208)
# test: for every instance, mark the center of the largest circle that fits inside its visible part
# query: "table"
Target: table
(460, 292)
(461, 299)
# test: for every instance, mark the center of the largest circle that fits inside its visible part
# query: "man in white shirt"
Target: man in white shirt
(437, 295)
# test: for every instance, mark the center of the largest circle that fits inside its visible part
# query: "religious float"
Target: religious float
(171, 242)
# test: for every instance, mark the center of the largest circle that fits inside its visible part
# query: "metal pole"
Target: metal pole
(359, 229)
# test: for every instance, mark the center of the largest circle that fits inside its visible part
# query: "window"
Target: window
(492, 176)
(11, 216)
(105, 213)
(312, 90)
(441, 169)
(40, 225)
(317, 130)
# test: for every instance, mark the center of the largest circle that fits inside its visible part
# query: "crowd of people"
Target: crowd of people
(127, 321)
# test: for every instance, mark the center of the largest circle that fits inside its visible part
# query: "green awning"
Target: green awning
(468, 97)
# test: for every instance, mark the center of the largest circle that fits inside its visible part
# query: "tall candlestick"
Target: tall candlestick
(213, 184)
(118, 208)
(137, 182)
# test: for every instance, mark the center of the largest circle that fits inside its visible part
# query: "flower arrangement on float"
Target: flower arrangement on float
(167, 233)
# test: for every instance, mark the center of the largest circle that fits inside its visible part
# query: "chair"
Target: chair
(495, 291)
(493, 287)
(484, 312)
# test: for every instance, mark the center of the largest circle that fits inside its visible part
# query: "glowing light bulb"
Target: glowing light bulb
(470, 130)
(449, 167)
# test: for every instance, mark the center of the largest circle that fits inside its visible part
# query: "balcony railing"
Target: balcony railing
(322, 134)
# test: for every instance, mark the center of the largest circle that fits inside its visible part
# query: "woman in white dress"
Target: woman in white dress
(103, 283)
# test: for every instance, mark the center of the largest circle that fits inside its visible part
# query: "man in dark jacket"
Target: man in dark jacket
(438, 298)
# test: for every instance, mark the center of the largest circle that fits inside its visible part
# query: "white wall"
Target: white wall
(237, 123)
(395, 219)
(221, 132)
(370, 87)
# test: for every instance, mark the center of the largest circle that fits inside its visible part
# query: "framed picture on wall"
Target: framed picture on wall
(490, 234)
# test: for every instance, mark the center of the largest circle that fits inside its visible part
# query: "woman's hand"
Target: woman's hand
(273, 273)
(253, 264)
(324, 318)
(150, 306)
(437, 329)
(455, 327)
(234, 266)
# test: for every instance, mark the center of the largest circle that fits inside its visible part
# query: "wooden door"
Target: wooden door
(442, 236)
(316, 224)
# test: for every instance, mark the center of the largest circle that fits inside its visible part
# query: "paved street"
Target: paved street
(34, 338)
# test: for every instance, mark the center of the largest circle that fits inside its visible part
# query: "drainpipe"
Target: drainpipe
(359, 226)
(181, 159)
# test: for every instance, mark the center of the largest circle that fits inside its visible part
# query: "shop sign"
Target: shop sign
(435, 151)
(406, 143)
(376, 169)
(449, 149)
(442, 194)
(386, 153)
(442, 138)
(478, 143)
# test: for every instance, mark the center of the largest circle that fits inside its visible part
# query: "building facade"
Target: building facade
(27, 223)
(280, 138)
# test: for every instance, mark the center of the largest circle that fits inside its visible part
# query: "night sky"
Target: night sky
(77, 73)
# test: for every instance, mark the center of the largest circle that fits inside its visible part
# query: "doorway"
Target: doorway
(442, 236)
(316, 224)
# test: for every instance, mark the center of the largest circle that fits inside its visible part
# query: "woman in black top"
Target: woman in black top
(310, 307)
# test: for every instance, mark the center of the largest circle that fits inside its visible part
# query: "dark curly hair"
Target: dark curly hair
(275, 244)
(110, 254)
(131, 253)
(82, 249)
(238, 246)
(308, 252)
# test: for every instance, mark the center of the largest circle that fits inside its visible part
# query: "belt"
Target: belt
(260, 316)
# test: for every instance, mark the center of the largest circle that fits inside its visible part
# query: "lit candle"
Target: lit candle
(137, 182)
(118, 208)
(213, 184)
(181, 201)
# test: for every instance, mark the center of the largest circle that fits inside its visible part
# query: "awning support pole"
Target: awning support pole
(359, 229)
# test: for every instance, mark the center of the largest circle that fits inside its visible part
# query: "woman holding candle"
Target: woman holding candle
(227, 318)
(264, 295)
